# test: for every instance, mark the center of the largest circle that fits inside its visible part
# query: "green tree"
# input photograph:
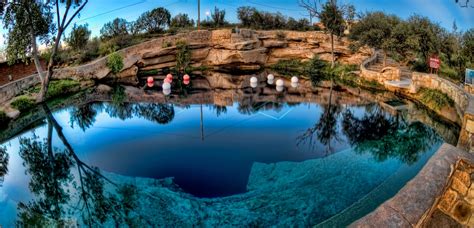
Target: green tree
(468, 45)
(425, 34)
(181, 21)
(245, 15)
(79, 37)
(116, 28)
(332, 17)
(30, 20)
(375, 30)
(218, 17)
(154, 21)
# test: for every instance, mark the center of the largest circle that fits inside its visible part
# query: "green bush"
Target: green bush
(451, 73)
(108, 47)
(166, 44)
(23, 103)
(115, 62)
(4, 120)
(435, 99)
(183, 55)
(317, 70)
(118, 95)
(280, 35)
(62, 87)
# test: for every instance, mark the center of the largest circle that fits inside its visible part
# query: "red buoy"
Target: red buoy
(150, 84)
(149, 80)
(169, 76)
(186, 82)
(186, 77)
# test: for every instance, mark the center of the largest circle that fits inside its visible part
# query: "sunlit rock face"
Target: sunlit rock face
(221, 49)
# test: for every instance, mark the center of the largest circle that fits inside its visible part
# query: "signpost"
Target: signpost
(469, 76)
(435, 62)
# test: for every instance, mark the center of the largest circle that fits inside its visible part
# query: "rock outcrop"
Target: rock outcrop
(219, 49)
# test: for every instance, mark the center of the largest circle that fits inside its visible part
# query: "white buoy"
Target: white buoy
(294, 79)
(279, 82)
(294, 84)
(253, 80)
(166, 92)
(270, 77)
(253, 84)
(270, 81)
(166, 85)
(279, 88)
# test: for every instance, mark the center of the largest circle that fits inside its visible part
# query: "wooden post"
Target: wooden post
(199, 15)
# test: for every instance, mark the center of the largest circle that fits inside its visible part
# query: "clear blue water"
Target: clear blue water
(329, 156)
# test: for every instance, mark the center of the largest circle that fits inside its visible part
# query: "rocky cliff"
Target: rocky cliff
(220, 49)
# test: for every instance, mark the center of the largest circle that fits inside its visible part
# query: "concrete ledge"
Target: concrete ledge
(413, 202)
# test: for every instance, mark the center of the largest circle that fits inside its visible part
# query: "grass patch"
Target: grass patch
(62, 87)
(23, 103)
(435, 99)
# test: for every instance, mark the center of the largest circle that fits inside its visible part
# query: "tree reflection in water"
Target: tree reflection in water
(325, 130)
(385, 137)
(65, 187)
(4, 158)
(84, 115)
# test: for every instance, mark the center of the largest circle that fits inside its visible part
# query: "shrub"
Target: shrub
(62, 87)
(280, 35)
(450, 73)
(166, 44)
(316, 70)
(118, 95)
(435, 99)
(23, 103)
(4, 120)
(115, 62)
(183, 55)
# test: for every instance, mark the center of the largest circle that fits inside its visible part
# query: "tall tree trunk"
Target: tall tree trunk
(332, 51)
(49, 74)
(36, 59)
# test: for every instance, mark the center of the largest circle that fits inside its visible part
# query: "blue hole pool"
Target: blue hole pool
(253, 161)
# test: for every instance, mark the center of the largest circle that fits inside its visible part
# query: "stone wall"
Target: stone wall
(386, 74)
(17, 71)
(432, 81)
(219, 49)
(15, 88)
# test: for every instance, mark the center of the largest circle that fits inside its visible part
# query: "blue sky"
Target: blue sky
(98, 12)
